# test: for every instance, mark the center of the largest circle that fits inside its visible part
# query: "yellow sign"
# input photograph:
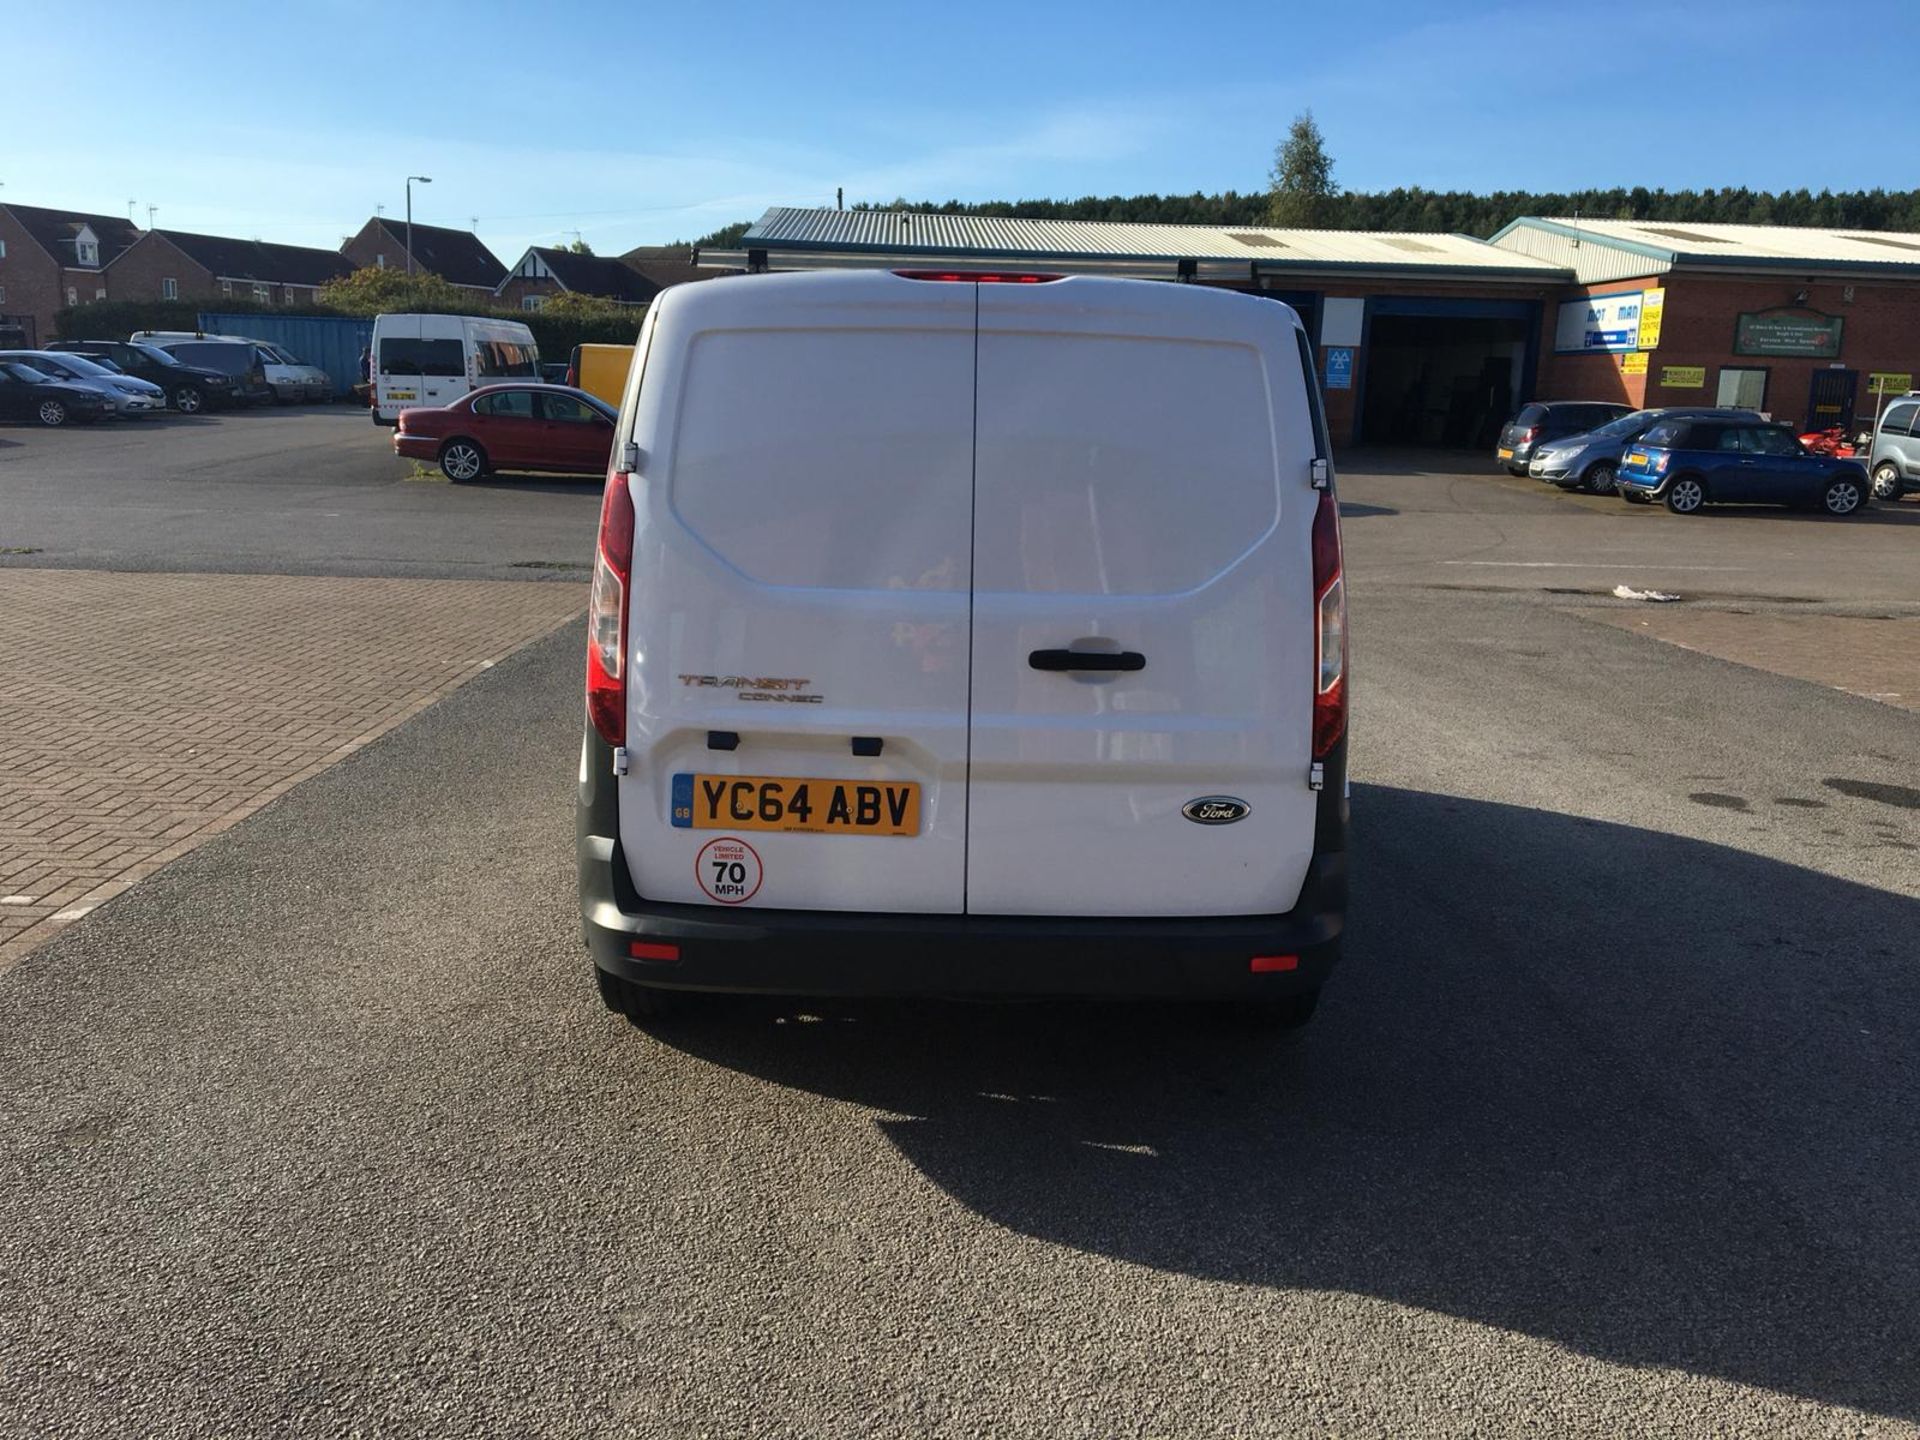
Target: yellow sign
(1684, 377)
(1888, 382)
(1652, 304)
(1633, 364)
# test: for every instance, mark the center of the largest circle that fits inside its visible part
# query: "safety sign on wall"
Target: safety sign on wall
(1339, 367)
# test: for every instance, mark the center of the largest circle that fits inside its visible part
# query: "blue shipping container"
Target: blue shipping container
(333, 342)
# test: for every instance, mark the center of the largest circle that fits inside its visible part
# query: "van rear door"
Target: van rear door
(798, 619)
(1143, 503)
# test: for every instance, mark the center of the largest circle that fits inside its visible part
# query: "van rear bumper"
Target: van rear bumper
(808, 952)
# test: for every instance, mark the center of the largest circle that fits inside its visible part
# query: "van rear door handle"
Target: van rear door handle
(1086, 660)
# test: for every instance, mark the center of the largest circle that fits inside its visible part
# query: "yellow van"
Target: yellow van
(601, 370)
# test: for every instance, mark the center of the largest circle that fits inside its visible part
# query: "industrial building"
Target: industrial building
(1432, 339)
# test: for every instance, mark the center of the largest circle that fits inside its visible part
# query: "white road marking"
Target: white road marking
(1586, 565)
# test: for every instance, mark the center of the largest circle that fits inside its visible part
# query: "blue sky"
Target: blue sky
(636, 123)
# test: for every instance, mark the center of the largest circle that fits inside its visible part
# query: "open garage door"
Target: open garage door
(1450, 378)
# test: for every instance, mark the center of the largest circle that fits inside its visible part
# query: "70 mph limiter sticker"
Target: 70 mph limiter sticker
(728, 870)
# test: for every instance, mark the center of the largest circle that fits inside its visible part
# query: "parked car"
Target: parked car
(1893, 458)
(291, 380)
(1546, 420)
(1151, 809)
(1690, 463)
(36, 397)
(188, 388)
(510, 427)
(239, 360)
(433, 360)
(1589, 461)
(124, 394)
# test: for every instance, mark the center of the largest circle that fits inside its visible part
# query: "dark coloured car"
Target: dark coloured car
(511, 427)
(1589, 461)
(1690, 463)
(36, 398)
(241, 364)
(189, 388)
(1546, 420)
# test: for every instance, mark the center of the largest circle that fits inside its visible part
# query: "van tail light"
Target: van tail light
(1330, 629)
(607, 613)
(982, 277)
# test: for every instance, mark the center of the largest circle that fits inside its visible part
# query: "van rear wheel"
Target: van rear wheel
(462, 460)
(637, 1002)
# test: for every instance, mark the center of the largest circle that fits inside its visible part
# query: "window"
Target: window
(169, 289)
(262, 294)
(293, 296)
(506, 405)
(226, 287)
(1666, 433)
(3, 294)
(533, 302)
(1737, 439)
(505, 358)
(3, 249)
(88, 251)
(1530, 415)
(73, 296)
(1743, 389)
(400, 356)
(100, 292)
(380, 262)
(568, 411)
(1772, 442)
(1898, 420)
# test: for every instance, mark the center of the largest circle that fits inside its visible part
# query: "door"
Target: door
(1784, 473)
(574, 434)
(510, 430)
(1141, 500)
(799, 598)
(1738, 474)
(443, 370)
(1830, 399)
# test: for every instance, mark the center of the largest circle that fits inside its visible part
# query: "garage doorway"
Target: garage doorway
(1445, 373)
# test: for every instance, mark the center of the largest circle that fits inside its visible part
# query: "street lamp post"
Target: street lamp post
(424, 180)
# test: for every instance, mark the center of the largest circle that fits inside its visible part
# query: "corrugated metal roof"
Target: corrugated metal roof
(1639, 247)
(901, 232)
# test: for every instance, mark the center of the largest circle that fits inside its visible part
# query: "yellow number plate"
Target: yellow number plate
(1505, 453)
(812, 807)
(1636, 457)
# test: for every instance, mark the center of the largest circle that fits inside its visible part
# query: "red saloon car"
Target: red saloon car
(511, 427)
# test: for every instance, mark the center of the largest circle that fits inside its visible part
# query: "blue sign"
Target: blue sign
(1339, 367)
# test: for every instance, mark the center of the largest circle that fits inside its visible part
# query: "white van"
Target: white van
(966, 634)
(435, 359)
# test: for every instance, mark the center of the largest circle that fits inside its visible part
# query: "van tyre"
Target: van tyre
(1886, 481)
(1842, 496)
(637, 1002)
(51, 412)
(462, 459)
(1600, 478)
(1686, 495)
(188, 399)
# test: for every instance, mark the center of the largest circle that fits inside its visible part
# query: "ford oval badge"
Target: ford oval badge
(1216, 810)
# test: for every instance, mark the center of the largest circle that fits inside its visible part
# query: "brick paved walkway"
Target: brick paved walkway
(141, 714)
(1879, 659)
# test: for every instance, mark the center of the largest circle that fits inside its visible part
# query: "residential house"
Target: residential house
(54, 258)
(175, 265)
(542, 272)
(456, 256)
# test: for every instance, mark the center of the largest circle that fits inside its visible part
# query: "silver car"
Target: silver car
(1589, 461)
(125, 394)
(1894, 461)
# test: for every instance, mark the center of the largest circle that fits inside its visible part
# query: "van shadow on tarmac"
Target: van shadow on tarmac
(1640, 1095)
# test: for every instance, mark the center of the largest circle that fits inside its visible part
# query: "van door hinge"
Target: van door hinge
(1316, 776)
(620, 760)
(1321, 475)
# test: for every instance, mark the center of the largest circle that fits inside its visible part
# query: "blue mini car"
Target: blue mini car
(1690, 463)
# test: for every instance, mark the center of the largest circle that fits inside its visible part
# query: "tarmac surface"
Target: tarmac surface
(1606, 1125)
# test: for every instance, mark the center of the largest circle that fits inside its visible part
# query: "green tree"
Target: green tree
(1302, 195)
(580, 247)
(374, 290)
(571, 306)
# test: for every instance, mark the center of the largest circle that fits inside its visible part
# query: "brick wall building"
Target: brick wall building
(176, 265)
(1794, 322)
(54, 258)
(542, 272)
(456, 256)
